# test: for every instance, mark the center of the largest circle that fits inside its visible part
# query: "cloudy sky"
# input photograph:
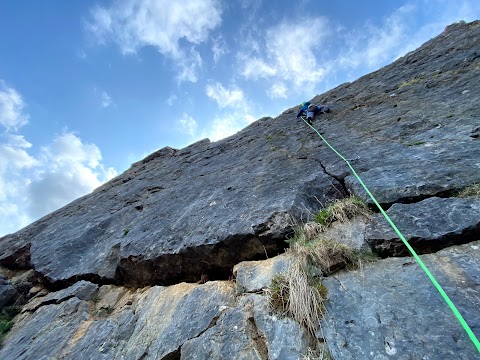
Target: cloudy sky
(88, 87)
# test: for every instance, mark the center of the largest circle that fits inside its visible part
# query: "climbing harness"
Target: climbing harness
(412, 251)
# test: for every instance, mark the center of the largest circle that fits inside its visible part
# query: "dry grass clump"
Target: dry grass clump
(307, 296)
(299, 295)
(306, 233)
(279, 292)
(321, 354)
(470, 191)
(299, 292)
(342, 210)
(327, 255)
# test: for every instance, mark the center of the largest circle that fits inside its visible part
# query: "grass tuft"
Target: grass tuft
(279, 294)
(416, 143)
(299, 292)
(470, 191)
(319, 354)
(299, 295)
(342, 210)
(327, 255)
(409, 82)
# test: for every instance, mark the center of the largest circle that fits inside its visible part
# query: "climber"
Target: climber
(312, 110)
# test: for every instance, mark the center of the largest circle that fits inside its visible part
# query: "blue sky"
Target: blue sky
(88, 87)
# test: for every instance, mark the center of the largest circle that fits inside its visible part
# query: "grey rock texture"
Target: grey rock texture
(254, 276)
(143, 227)
(410, 128)
(428, 226)
(249, 331)
(185, 321)
(83, 290)
(350, 233)
(125, 264)
(391, 310)
(46, 333)
(8, 293)
(122, 324)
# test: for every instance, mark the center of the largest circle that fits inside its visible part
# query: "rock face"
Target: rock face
(392, 311)
(428, 226)
(126, 266)
(156, 323)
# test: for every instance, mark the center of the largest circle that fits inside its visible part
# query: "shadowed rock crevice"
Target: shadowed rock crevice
(412, 199)
(208, 262)
(339, 179)
(428, 226)
(259, 341)
(56, 285)
(20, 259)
(407, 201)
(175, 355)
(82, 290)
(386, 248)
(212, 262)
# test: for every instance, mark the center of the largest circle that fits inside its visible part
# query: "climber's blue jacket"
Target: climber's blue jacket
(304, 108)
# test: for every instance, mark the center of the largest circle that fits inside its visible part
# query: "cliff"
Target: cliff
(142, 268)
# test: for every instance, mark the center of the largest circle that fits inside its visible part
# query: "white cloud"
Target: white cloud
(254, 68)
(371, 46)
(251, 5)
(290, 55)
(68, 148)
(159, 23)
(278, 90)
(106, 100)
(224, 97)
(226, 125)
(13, 153)
(171, 99)
(189, 66)
(32, 186)
(103, 97)
(219, 48)
(11, 108)
(14, 160)
(69, 169)
(189, 124)
(299, 57)
(235, 112)
(81, 54)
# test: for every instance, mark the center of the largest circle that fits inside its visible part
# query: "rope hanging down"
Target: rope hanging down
(412, 251)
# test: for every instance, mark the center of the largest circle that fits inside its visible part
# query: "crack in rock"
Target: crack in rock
(259, 341)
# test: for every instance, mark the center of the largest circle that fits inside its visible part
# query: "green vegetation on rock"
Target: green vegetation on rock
(470, 191)
(342, 210)
(6, 320)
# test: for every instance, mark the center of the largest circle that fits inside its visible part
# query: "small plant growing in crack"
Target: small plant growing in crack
(126, 231)
(416, 143)
(95, 298)
(342, 210)
(239, 290)
(299, 295)
(470, 191)
(299, 292)
(320, 354)
(7, 314)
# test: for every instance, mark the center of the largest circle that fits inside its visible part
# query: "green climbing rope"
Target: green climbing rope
(412, 251)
